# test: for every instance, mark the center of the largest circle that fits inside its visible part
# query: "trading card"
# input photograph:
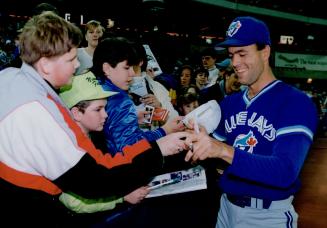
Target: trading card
(148, 117)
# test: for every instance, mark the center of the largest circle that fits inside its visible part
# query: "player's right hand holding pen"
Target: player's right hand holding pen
(202, 146)
(191, 125)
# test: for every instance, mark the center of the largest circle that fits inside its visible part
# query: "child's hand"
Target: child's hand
(151, 100)
(137, 195)
(141, 115)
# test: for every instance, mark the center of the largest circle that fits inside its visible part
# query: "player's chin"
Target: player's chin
(241, 80)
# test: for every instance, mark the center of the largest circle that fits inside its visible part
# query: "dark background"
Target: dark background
(192, 17)
(183, 25)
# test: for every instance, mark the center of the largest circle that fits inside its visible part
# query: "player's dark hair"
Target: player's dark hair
(260, 46)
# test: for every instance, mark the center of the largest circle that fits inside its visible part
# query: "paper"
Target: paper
(152, 61)
(138, 86)
(178, 182)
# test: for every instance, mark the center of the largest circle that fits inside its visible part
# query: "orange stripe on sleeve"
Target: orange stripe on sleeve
(26, 180)
(106, 159)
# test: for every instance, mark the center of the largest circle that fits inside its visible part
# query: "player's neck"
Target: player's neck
(260, 84)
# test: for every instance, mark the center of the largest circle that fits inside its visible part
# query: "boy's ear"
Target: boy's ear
(76, 113)
(44, 65)
(106, 68)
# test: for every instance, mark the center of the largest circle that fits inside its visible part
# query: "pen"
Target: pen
(161, 184)
(196, 125)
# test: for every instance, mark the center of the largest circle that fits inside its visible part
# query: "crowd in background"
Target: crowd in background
(172, 62)
(188, 81)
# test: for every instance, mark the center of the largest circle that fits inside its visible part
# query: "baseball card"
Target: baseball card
(148, 117)
(160, 114)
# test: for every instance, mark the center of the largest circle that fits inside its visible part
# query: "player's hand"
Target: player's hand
(205, 147)
(174, 143)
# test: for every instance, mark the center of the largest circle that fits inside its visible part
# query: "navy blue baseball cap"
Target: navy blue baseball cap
(244, 31)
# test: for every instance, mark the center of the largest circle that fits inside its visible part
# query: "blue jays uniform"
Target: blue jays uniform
(271, 134)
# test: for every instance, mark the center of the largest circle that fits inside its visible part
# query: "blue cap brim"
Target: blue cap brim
(233, 43)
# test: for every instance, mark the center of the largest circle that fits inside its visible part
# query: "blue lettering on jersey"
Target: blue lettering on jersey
(259, 122)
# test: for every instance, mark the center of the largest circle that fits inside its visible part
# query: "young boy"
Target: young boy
(113, 63)
(43, 151)
(86, 100)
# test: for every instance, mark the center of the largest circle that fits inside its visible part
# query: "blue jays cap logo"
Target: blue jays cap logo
(245, 142)
(244, 31)
(233, 28)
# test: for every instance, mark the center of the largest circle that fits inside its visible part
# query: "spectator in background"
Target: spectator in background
(222, 66)
(15, 52)
(190, 89)
(4, 59)
(93, 33)
(323, 123)
(185, 76)
(170, 83)
(316, 100)
(230, 83)
(226, 86)
(201, 77)
(187, 102)
(209, 58)
(44, 6)
(158, 95)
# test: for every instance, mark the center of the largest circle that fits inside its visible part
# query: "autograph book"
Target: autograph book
(178, 182)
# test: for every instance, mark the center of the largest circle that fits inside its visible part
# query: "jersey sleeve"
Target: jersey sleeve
(280, 169)
(122, 127)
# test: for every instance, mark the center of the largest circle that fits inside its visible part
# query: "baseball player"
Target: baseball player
(267, 131)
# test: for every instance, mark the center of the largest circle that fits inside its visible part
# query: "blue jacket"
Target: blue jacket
(121, 127)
